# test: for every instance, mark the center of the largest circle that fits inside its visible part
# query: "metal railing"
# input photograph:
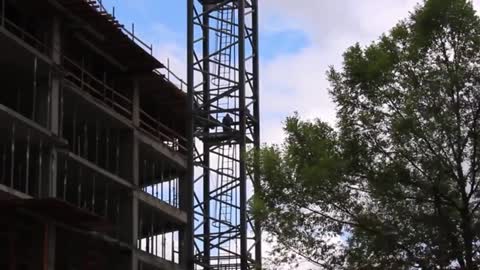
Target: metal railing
(166, 71)
(77, 75)
(171, 77)
(98, 5)
(166, 135)
(98, 89)
(23, 35)
(165, 191)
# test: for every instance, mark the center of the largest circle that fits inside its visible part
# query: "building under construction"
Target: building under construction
(99, 141)
(92, 149)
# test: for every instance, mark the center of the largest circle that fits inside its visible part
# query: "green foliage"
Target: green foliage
(397, 182)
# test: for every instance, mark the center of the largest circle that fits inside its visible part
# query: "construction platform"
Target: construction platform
(92, 143)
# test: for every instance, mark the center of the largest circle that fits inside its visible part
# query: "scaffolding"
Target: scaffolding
(224, 130)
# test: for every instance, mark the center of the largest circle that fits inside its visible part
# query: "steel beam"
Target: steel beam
(187, 200)
(256, 116)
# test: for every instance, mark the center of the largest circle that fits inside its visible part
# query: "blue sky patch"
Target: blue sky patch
(282, 42)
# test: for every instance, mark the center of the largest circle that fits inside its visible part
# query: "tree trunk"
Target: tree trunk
(468, 239)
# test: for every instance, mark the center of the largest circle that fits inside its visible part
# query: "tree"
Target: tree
(396, 184)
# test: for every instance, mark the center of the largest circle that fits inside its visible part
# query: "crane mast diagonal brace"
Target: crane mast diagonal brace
(223, 129)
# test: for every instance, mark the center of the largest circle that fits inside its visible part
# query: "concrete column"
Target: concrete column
(135, 173)
(50, 230)
(134, 231)
(135, 217)
(56, 79)
(136, 103)
(55, 103)
(49, 247)
(52, 183)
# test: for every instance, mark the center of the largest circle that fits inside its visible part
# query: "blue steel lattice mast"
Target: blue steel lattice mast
(223, 92)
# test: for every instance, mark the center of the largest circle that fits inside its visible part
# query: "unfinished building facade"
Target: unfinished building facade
(92, 148)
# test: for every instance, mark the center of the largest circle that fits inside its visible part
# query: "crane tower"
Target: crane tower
(223, 93)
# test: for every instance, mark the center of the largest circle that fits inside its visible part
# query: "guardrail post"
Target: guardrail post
(133, 31)
(168, 69)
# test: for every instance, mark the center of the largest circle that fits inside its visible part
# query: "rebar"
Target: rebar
(12, 158)
(27, 166)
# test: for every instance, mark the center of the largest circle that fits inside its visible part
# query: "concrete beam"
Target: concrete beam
(25, 126)
(5, 34)
(172, 213)
(177, 158)
(157, 262)
(13, 193)
(103, 109)
(99, 51)
(96, 235)
(81, 23)
(83, 162)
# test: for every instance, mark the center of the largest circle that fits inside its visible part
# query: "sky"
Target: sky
(299, 41)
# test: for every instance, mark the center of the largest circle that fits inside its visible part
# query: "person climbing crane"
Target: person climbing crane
(227, 122)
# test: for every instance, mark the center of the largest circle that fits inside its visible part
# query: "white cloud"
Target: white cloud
(325, 20)
(173, 57)
(297, 81)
